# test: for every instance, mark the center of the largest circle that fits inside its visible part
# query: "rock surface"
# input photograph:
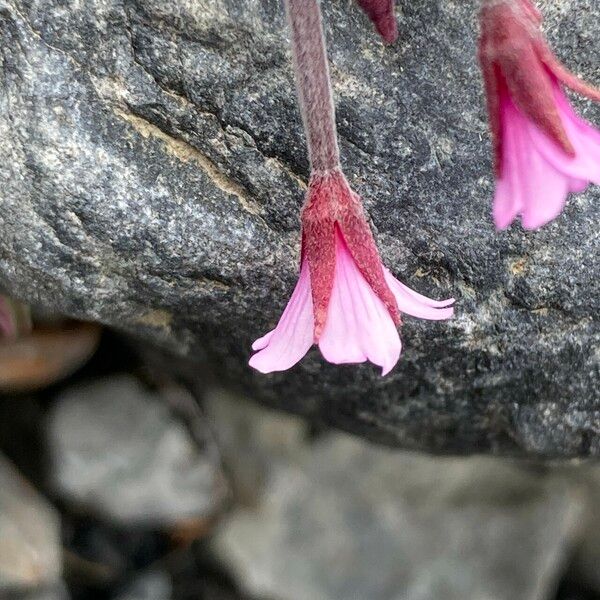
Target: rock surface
(339, 518)
(153, 585)
(58, 592)
(152, 169)
(117, 452)
(30, 550)
(587, 558)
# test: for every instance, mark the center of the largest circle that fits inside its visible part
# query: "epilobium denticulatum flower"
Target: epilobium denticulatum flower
(543, 150)
(345, 300)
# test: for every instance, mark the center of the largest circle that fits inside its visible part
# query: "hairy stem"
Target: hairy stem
(313, 83)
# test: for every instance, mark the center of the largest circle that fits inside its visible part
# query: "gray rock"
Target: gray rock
(57, 592)
(341, 519)
(153, 585)
(587, 557)
(249, 437)
(152, 170)
(117, 451)
(30, 550)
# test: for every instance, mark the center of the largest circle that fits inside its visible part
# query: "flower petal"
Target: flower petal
(546, 187)
(263, 341)
(547, 195)
(358, 327)
(577, 185)
(509, 196)
(416, 305)
(585, 139)
(285, 345)
(422, 299)
(538, 175)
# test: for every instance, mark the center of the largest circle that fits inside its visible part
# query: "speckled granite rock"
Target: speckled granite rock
(152, 167)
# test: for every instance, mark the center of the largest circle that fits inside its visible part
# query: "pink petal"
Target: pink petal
(416, 305)
(577, 185)
(263, 341)
(508, 200)
(545, 187)
(585, 166)
(422, 299)
(358, 327)
(573, 119)
(537, 174)
(285, 345)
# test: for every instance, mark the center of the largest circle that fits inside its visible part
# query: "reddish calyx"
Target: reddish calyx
(332, 204)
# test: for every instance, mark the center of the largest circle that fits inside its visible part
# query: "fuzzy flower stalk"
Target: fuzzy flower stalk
(345, 300)
(543, 150)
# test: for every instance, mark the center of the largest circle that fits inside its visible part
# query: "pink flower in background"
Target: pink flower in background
(345, 300)
(381, 12)
(543, 150)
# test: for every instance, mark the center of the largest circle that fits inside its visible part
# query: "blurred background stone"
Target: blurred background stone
(153, 585)
(118, 453)
(250, 440)
(46, 355)
(587, 558)
(30, 551)
(303, 512)
(58, 592)
(338, 518)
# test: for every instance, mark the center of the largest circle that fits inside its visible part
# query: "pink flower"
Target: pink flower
(543, 150)
(381, 12)
(345, 300)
